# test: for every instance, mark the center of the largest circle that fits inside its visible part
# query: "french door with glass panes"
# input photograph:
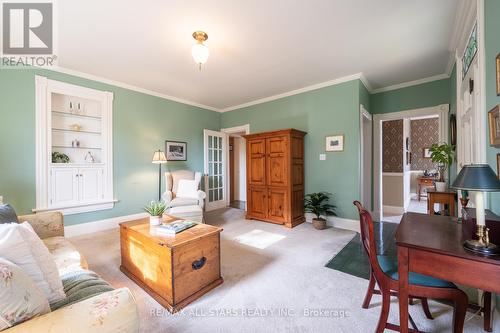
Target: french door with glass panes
(215, 165)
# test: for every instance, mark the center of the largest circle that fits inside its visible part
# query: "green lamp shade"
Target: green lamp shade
(477, 177)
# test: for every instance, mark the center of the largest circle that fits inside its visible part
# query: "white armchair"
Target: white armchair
(185, 196)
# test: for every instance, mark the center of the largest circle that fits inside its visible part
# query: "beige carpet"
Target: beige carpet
(282, 286)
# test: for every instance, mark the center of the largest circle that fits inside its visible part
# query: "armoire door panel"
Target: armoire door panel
(277, 205)
(297, 203)
(277, 161)
(256, 162)
(257, 202)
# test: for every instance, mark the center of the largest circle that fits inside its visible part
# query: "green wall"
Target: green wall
(141, 124)
(321, 112)
(492, 47)
(414, 97)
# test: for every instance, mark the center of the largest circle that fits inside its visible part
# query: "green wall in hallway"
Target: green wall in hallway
(321, 112)
(141, 124)
(492, 47)
(414, 97)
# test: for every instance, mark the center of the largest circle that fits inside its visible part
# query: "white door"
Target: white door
(215, 169)
(366, 158)
(64, 186)
(90, 184)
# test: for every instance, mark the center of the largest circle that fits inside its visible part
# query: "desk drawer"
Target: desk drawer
(426, 182)
(195, 265)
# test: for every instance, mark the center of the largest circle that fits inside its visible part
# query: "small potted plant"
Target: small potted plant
(155, 209)
(443, 155)
(317, 204)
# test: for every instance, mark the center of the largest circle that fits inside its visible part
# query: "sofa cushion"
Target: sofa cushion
(65, 255)
(20, 298)
(80, 285)
(7, 214)
(20, 244)
(183, 202)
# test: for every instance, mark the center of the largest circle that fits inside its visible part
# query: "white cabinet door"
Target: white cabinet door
(64, 186)
(91, 185)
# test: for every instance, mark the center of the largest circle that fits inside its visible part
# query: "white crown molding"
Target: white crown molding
(411, 83)
(316, 86)
(131, 87)
(365, 81)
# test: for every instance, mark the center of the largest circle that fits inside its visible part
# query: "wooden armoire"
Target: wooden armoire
(275, 177)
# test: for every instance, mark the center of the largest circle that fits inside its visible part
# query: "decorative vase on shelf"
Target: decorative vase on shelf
(154, 220)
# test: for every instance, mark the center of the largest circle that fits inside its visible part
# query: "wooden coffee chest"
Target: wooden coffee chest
(174, 270)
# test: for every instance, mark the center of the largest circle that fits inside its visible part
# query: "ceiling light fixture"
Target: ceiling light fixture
(199, 50)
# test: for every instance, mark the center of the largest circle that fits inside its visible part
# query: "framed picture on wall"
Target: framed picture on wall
(176, 150)
(427, 153)
(335, 143)
(494, 125)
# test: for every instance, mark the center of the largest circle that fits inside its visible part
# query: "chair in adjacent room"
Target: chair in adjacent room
(384, 271)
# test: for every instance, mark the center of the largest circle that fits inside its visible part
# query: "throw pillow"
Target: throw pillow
(187, 189)
(20, 298)
(20, 244)
(7, 214)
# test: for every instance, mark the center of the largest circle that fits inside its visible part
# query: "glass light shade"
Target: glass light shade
(159, 157)
(200, 53)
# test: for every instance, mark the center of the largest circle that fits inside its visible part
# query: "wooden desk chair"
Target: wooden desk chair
(384, 271)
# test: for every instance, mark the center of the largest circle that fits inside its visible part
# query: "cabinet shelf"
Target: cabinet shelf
(69, 147)
(74, 131)
(67, 114)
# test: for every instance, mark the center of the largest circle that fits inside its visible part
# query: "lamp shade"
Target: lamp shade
(477, 177)
(159, 157)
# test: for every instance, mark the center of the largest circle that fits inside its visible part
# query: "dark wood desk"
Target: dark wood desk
(432, 245)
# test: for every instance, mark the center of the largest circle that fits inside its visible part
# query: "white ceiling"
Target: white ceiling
(258, 48)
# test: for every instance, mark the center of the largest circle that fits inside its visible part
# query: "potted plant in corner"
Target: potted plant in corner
(155, 209)
(317, 204)
(443, 155)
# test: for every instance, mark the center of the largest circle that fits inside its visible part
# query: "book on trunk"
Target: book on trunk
(175, 227)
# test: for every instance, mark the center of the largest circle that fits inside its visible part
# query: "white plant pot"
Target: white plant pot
(155, 220)
(441, 186)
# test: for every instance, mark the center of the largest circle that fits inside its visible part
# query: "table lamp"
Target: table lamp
(159, 158)
(479, 178)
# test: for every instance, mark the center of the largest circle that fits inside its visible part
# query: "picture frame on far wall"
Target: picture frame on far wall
(427, 153)
(494, 125)
(498, 166)
(176, 150)
(335, 143)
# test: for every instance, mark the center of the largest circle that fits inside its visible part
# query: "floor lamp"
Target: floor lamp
(159, 158)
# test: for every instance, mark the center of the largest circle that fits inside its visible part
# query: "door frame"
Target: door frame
(231, 130)
(441, 110)
(364, 114)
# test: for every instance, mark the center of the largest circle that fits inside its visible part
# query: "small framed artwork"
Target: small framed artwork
(335, 143)
(176, 150)
(427, 153)
(498, 74)
(494, 125)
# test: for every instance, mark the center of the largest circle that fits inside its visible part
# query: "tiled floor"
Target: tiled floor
(238, 204)
(414, 206)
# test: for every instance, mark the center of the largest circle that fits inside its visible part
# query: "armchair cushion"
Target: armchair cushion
(176, 202)
(187, 189)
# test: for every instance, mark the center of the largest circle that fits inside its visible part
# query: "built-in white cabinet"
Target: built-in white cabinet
(74, 166)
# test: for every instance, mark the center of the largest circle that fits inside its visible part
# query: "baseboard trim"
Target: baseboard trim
(95, 226)
(337, 222)
(394, 209)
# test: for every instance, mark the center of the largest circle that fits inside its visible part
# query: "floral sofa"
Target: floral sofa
(111, 311)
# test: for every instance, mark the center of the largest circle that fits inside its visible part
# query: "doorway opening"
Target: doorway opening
(403, 170)
(236, 167)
